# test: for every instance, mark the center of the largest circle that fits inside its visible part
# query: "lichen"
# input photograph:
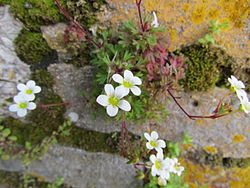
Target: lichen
(31, 47)
(207, 66)
(238, 138)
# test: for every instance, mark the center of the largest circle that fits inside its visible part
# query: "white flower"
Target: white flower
(73, 116)
(113, 100)
(153, 143)
(22, 105)
(176, 168)
(245, 104)
(236, 85)
(160, 166)
(29, 89)
(128, 82)
(155, 21)
(162, 181)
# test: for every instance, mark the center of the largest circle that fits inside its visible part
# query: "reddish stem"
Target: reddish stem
(199, 117)
(59, 104)
(123, 133)
(66, 14)
(138, 4)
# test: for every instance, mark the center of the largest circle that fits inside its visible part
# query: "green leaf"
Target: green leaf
(1, 127)
(201, 40)
(13, 138)
(139, 175)
(28, 145)
(6, 132)
(5, 157)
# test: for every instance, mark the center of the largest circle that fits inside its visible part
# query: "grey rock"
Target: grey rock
(12, 69)
(70, 81)
(82, 169)
(79, 168)
(218, 133)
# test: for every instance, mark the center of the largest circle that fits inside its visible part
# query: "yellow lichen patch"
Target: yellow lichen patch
(247, 130)
(186, 7)
(213, 13)
(173, 34)
(237, 11)
(238, 138)
(198, 175)
(210, 149)
(198, 14)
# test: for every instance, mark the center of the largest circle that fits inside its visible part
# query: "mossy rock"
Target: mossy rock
(34, 13)
(42, 78)
(4, 2)
(31, 47)
(207, 66)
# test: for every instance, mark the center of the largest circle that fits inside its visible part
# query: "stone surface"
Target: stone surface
(187, 21)
(70, 81)
(12, 69)
(82, 169)
(221, 133)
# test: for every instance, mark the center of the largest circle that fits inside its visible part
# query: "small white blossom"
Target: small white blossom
(22, 105)
(162, 181)
(29, 89)
(176, 168)
(155, 21)
(128, 83)
(153, 142)
(245, 104)
(160, 166)
(113, 100)
(73, 116)
(236, 85)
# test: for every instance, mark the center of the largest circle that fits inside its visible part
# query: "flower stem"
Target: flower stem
(123, 134)
(214, 116)
(59, 104)
(66, 14)
(138, 4)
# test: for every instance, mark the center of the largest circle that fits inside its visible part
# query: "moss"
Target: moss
(34, 13)
(207, 66)
(16, 180)
(4, 2)
(42, 78)
(31, 47)
(207, 158)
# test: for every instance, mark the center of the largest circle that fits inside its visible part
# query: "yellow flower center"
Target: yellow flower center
(153, 143)
(158, 164)
(114, 101)
(22, 105)
(28, 91)
(127, 84)
(176, 167)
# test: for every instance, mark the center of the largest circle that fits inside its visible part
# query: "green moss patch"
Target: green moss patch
(31, 47)
(207, 66)
(34, 13)
(202, 157)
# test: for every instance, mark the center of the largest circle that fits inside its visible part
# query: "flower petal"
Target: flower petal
(31, 106)
(13, 107)
(117, 78)
(128, 75)
(21, 112)
(153, 171)
(124, 105)
(21, 87)
(152, 158)
(29, 97)
(160, 155)
(241, 84)
(102, 100)
(154, 135)
(19, 98)
(136, 81)
(149, 146)
(37, 89)
(147, 136)
(161, 143)
(31, 84)
(158, 149)
(165, 174)
(136, 90)
(112, 110)
(121, 91)
(109, 89)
